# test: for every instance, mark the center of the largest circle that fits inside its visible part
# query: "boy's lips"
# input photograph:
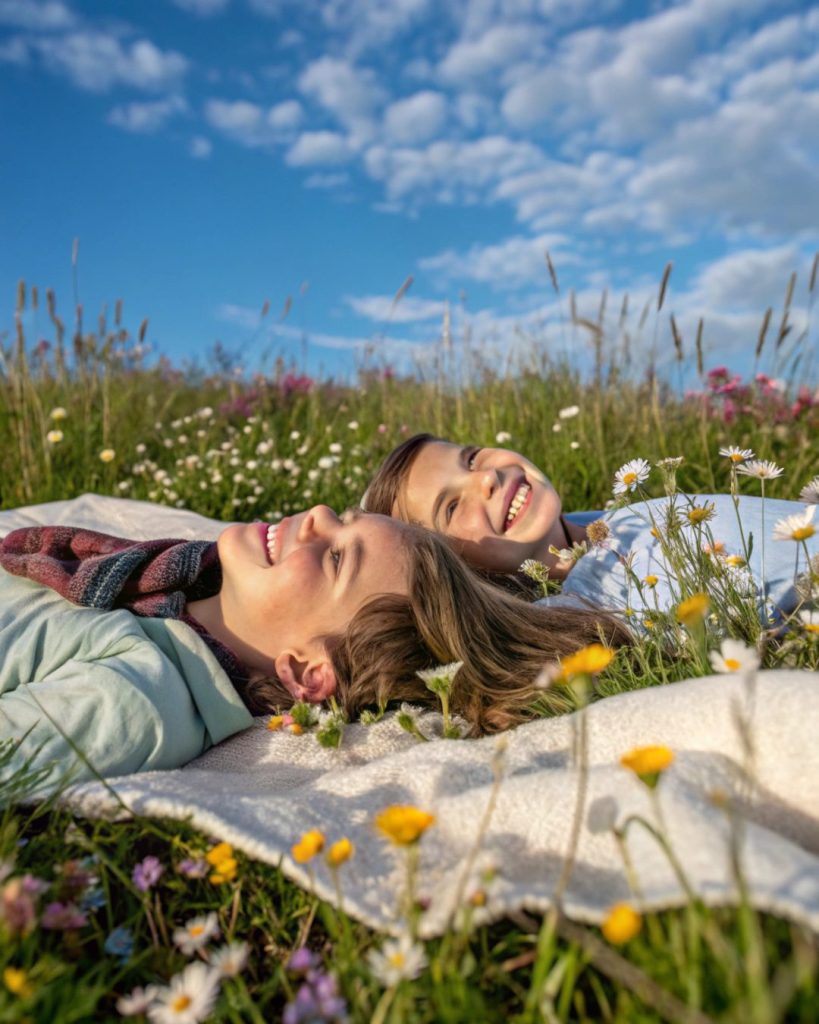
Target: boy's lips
(270, 534)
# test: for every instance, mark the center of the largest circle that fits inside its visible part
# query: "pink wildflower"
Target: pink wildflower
(63, 916)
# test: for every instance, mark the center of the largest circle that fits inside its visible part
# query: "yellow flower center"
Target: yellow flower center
(396, 960)
(196, 930)
(803, 532)
(629, 478)
(181, 1003)
(732, 664)
(736, 457)
(812, 627)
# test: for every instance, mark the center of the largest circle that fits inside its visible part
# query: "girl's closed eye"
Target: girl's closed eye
(337, 556)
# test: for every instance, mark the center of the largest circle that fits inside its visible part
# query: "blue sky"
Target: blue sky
(211, 155)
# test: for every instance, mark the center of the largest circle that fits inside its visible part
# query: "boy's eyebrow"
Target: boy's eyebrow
(355, 557)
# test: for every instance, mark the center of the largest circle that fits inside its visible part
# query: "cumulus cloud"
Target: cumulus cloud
(97, 61)
(39, 17)
(326, 181)
(349, 93)
(203, 8)
(415, 119)
(383, 308)
(287, 114)
(515, 262)
(496, 50)
(200, 147)
(146, 117)
(312, 148)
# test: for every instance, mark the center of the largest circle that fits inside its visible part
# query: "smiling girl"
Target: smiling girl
(141, 655)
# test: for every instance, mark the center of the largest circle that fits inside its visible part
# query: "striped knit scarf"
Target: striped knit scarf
(151, 578)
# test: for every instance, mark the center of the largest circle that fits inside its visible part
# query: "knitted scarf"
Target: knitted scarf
(151, 578)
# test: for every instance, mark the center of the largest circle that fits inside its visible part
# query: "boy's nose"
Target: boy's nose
(319, 521)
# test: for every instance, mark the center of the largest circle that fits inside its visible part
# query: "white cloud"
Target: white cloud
(200, 147)
(446, 169)
(146, 117)
(204, 8)
(515, 262)
(747, 279)
(351, 94)
(37, 16)
(415, 119)
(364, 24)
(327, 181)
(313, 148)
(287, 114)
(97, 61)
(383, 308)
(497, 49)
(14, 51)
(239, 120)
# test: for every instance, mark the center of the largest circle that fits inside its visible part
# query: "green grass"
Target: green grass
(263, 449)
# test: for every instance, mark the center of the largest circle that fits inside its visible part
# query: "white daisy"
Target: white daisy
(397, 960)
(197, 933)
(762, 469)
(569, 412)
(629, 476)
(137, 1002)
(810, 621)
(736, 454)
(189, 998)
(440, 678)
(230, 960)
(796, 527)
(810, 492)
(734, 656)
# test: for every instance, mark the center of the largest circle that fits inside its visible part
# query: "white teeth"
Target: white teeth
(518, 500)
(271, 540)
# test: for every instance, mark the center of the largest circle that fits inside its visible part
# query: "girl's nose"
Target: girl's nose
(489, 483)
(319, 521)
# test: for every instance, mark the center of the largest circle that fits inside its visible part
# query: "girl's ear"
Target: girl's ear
(310, 681)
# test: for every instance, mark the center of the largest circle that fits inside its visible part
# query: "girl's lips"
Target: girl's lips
(524, 508)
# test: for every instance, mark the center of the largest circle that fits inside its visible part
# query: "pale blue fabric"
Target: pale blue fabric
(601, 578)
(134, 694)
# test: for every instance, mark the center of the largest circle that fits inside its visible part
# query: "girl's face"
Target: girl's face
(287, 586)
(495, 506)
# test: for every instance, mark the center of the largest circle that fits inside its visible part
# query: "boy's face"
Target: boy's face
(496, 508)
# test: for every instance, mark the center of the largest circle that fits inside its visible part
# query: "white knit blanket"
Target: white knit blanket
(261, 790)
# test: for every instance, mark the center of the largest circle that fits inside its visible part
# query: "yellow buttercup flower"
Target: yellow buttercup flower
(275, 722)
(735, 560)
(650, 581)
(295, 728)
(587, 661)
(107, 455)
(648, 763)
(218, 853)
(403, 824)
(339, 852)
(622, 923)
(16, 981)
(310, 844)
(693, 609)
(225, 866)
(701, 513)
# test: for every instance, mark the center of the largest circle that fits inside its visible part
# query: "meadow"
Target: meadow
(94, 914)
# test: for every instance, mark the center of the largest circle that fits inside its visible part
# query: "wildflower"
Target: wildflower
(569, 412)
(107, 455)
(589, 660)
(573, 554)
(810, 621)
(196, 934)
(188, 999)
(503, 437)
(810, 492)
(63, 917)
(397, 960)
(120, 943)
(335, 448)
(701, 513)
(339, 852)
(648, 763)
(598, 532)
(407, 719)
(17, 906)
(403, 824)
(574, 445)
(193, 867)
(797, 527)
(535, 570)
(331, 727)
(302, 961)
(693, 609)
(352, 425)
(762, 469)
(310, 844)
(736, 561)
(439, 679)
(557, 427)
(57, 414)
(326, 462)
(629, 476)
(54, 436)
(622, 923)
(147, 873)
(16, 981)
(221, 858)
(231, 959)
(138, 1002)
(650, 581)
(736, 454)
(317, 1002)
(715, 549)
(734, 656)
(671, 463)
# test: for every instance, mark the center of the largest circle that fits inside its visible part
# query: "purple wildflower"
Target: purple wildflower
(302, 961)
(317, 1002)
(193, 868)
(63, 916)
(147, 873)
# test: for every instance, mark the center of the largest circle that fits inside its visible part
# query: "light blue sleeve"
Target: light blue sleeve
(128, 712)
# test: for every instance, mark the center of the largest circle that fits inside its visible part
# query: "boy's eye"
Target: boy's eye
(449, 512)
(335, 554)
